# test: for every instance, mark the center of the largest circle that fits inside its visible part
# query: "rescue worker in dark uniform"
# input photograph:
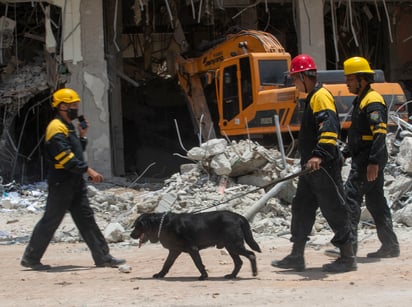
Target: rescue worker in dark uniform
(67, 190)
(367, 148)
(323, 187)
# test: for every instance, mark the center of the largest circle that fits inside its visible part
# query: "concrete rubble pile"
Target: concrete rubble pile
(222, 176)
(399, 186)
(24, 82)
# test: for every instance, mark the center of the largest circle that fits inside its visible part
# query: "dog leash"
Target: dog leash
(272, 183)
(161, 223)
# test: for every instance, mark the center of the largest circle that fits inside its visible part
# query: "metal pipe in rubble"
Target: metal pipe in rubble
(280, 141)
(279, 184)
(261, 202)
(400, 122)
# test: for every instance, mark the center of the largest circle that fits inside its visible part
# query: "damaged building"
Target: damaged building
(120, 56)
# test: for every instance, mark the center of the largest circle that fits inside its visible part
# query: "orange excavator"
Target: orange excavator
(248, 70)
(251, 88)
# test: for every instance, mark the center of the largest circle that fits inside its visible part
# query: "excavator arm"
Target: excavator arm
(196, 100)
(241, 108)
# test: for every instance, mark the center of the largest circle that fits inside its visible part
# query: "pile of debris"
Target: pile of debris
(22, 82)
(232, 176)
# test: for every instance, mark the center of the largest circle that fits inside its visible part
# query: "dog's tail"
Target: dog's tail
(248, 235)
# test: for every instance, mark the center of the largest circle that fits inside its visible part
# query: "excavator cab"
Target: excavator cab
(251, 90)
(249, 69)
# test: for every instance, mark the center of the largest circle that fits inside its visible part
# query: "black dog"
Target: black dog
(189, 233)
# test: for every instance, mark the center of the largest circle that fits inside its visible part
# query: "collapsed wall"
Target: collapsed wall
(28, 74)
(24, 110)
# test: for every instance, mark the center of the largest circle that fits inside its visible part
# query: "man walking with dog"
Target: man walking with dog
(67, 190)
(367, 148)
(323, 187)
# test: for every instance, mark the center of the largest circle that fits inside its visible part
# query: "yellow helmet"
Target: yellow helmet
(356, 65)
(65, 95)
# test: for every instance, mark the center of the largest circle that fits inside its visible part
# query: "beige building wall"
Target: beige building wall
(85, 59)
(310, 29)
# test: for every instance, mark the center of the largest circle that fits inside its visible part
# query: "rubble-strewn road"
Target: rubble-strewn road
(74, 281)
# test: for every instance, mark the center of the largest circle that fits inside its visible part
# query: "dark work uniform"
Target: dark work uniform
(67, 191)
(367, 145)
(322, 189)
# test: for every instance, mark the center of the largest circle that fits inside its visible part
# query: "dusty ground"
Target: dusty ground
(74, 281)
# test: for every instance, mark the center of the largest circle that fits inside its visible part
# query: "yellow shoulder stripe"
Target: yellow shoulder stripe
(55, 127)
(322, 100)
(371, 96)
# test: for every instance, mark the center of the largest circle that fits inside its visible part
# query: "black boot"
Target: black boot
(390, 244)
(28, 261)
(336, 252)
(35, 265)
(295, 260)
(354, 226)
(345, 263)
(385, 252)
(111, 262)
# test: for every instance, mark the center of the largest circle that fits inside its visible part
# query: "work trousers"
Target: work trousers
(68, 195)
(357, 187)
(321, 189)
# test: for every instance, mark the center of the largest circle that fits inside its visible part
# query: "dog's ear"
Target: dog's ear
(152, 221)
(140, 220)
(147, 221)
(144, 221)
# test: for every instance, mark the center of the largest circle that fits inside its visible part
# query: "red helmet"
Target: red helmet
(302, 62)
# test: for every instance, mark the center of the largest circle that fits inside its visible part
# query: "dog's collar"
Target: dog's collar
(161, 224)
